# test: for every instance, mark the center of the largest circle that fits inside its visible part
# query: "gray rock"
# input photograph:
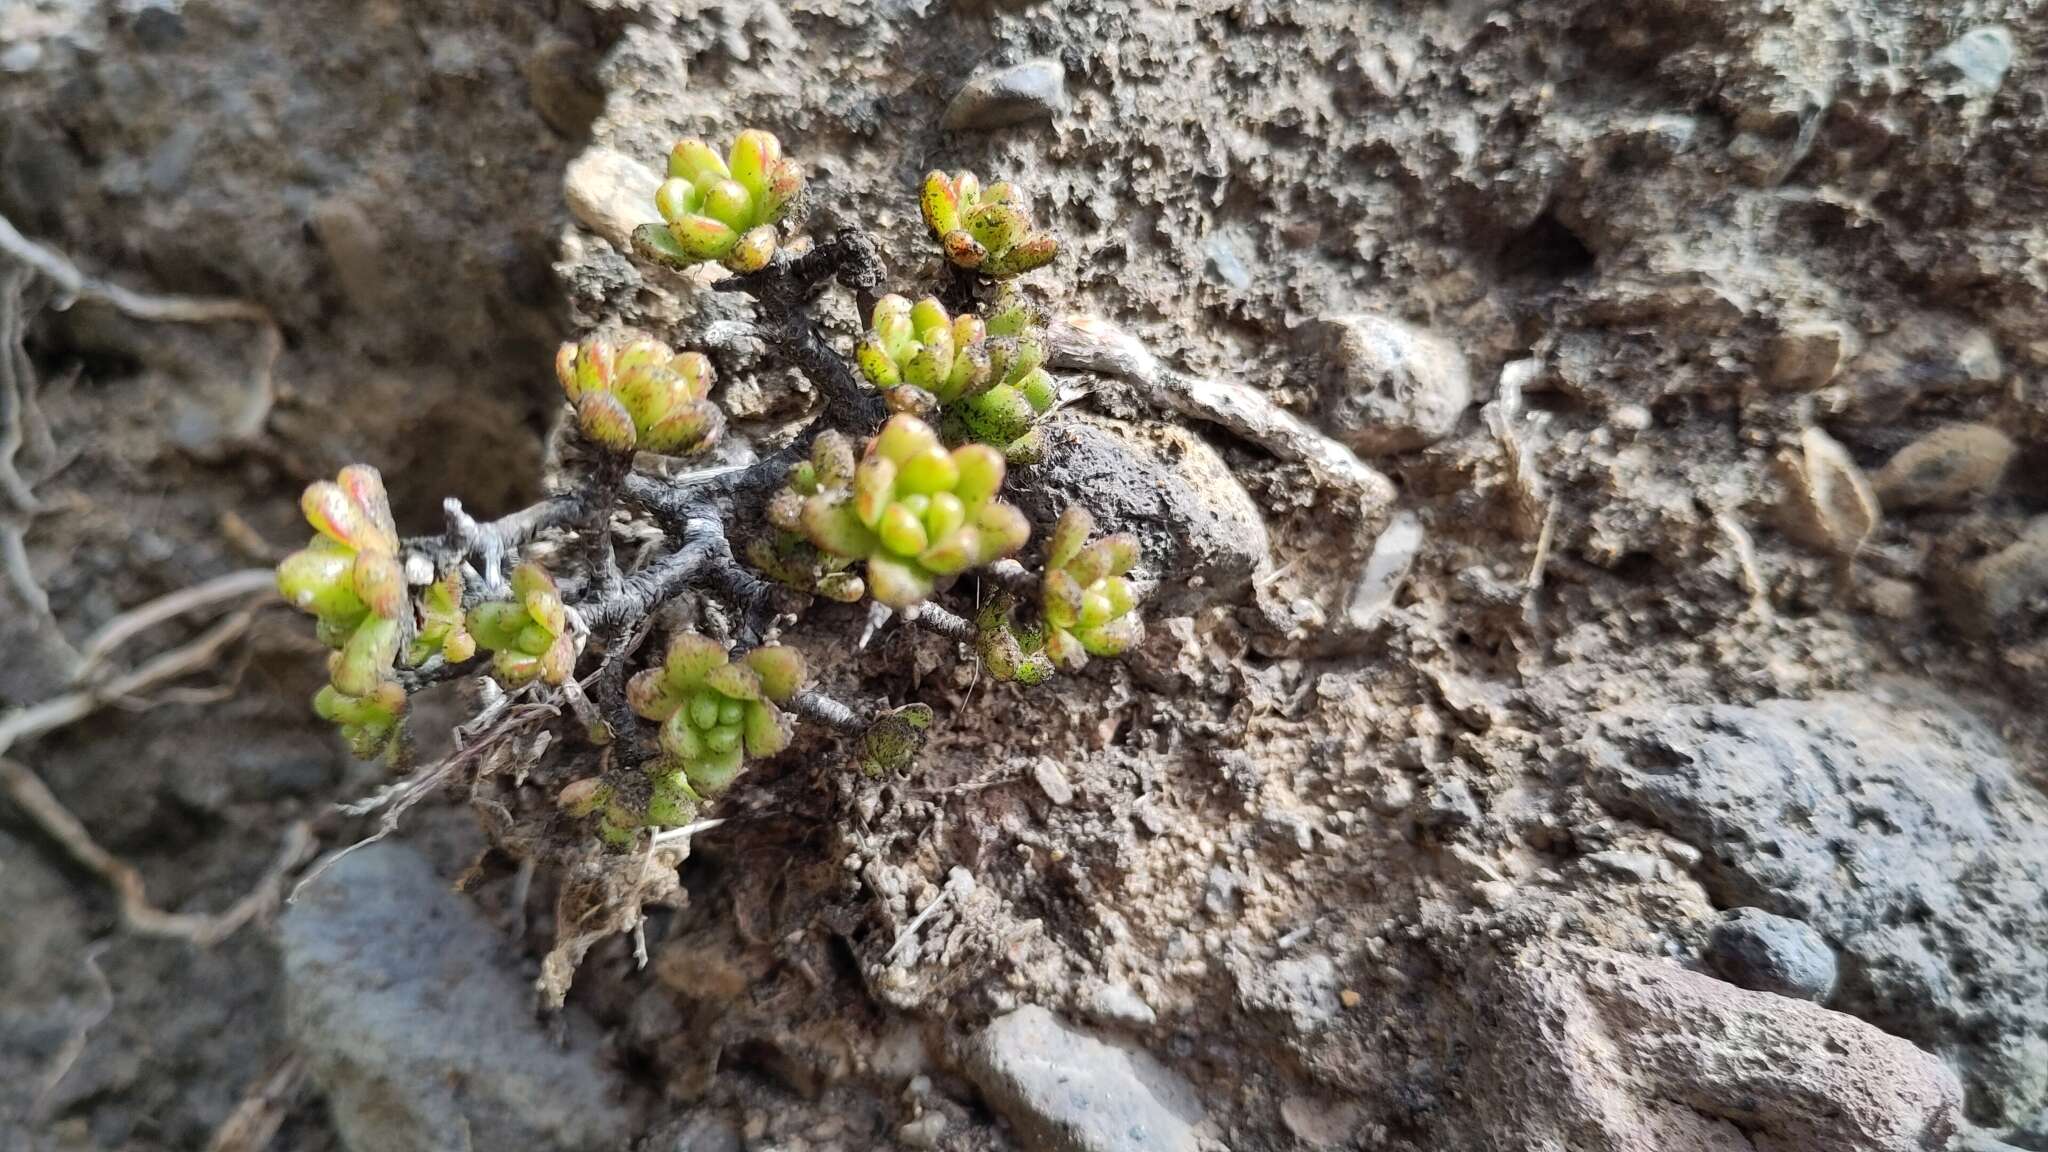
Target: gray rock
(1640, 867)
(1893, 824)
(1222, 261)
(1002, 97)
(702, 1131)
(418, 1029)
(1450, 805)
(1302, 990)
(1119, 1004)
(1751, 948)
(158, 26)
(1598, 1051)
(1977, 61)
(1064, 1090)
(1389, 386)
(1202, 536)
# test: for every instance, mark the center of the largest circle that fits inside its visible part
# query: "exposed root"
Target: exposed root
(138, 915)
(118, 631)
(255, 1121)
(17, 390)
(74, 285)
(74, 1044)
(71, 707)
(1093, 344)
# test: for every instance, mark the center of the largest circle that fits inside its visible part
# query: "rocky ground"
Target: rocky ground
(1649, 761)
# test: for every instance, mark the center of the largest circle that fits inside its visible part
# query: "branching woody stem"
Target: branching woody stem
(825, 710)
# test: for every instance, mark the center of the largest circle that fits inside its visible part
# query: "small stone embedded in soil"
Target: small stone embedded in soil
(1389, 386)
(1450, 805)
(1004, 97)
(2001, 585)
(1640, 867)
(923, 1132)
(1977, 60)
(1806, 354)
(1386, 571)
(611, 194)
(1924, 355)
(1219, 895)
(1754, 949)
(1954, 465)
(1064, 1090)
(1200, 534)
(1120, 1004)
(417, 1026)
(1052, 780)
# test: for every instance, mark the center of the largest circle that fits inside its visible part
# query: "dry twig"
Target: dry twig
(398, 799)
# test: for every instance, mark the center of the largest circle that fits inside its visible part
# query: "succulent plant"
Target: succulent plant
(921, 346)
(715, 714)
(640, 395)
(528, 636)
(912, 510)
(986, 229)
(1019, 391)
(722, 209)
(895, 516)
(369, 722)
(443, 630)
(349, 579)
(986, 376)
(1088, 603)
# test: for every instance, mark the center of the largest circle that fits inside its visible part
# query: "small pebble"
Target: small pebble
(1754, 949)
(1052, 781)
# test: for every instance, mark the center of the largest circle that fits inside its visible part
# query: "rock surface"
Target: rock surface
(1891, 823)
(1202, 536)
(1390, 386)
(1597, 1051)
(419, 1031)
(1063, 1090)
(1753, 949)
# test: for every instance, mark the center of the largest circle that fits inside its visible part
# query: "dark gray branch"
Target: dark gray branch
(825, 710)
(932, 618)
(489, 541)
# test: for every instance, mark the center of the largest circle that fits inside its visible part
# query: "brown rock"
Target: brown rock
(1954, 465)
(1807, 354)
(1598, 1051)
(1390, 386)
